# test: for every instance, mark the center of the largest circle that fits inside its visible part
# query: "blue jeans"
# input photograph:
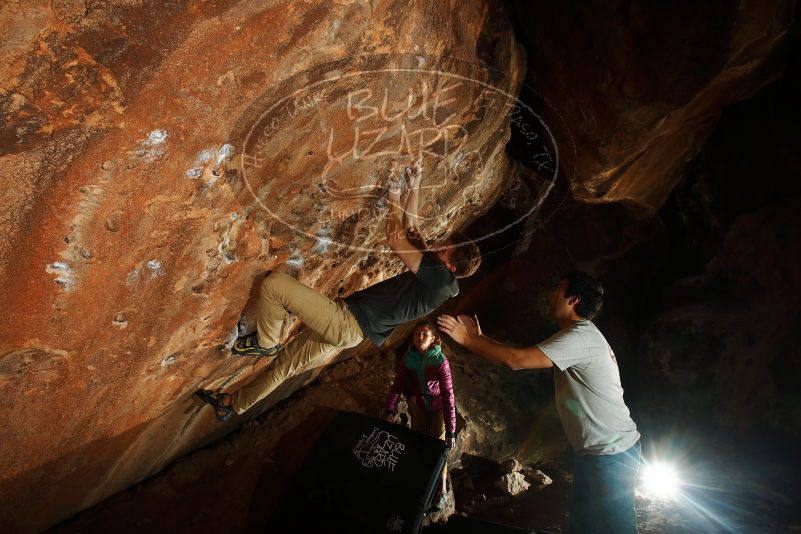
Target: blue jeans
(603, 493)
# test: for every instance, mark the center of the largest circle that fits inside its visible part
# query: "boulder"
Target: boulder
(164, 155)
(512, 484)
(512, 465)
(633, 89)
(538, 477)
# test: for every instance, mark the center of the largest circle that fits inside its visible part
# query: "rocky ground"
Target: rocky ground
(734, 497)
(234, 484)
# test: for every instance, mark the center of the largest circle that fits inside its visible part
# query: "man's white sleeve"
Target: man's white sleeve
(566, 348)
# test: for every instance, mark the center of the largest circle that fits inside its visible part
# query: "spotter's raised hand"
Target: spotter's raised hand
(471, 324)
(455, 328)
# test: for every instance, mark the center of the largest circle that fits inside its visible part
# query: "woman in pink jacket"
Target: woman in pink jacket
(425, 376)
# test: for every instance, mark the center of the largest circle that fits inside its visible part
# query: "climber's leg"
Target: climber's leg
(305, 351)
(329, 318)
(436, 427)
(420, 419)
(432, 423)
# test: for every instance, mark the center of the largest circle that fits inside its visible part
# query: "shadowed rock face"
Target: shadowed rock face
(157, 157)
(639, 85)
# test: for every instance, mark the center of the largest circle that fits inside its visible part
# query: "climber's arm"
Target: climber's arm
(414, 237)
(411, 221)
(396, 235)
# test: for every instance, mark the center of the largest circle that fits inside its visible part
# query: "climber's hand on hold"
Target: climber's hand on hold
(414, 174)
(397, 184)
(394, 189)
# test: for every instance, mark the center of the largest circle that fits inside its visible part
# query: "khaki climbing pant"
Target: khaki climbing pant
(329, 326)
(431, 423)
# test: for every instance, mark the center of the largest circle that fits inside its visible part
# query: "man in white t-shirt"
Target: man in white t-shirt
(589, 399)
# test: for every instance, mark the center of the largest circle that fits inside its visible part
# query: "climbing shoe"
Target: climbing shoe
(221, 410)
(249, 346)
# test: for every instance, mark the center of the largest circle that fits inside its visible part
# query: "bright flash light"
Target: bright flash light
(660, 480)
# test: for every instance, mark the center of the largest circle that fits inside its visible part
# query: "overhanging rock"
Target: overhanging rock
(157, 158)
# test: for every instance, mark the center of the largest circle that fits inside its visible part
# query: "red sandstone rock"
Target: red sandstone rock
(145, 181)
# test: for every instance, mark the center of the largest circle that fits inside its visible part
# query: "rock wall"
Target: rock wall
(720, 343)
(639, 85)
(158, 157)
(700, 303)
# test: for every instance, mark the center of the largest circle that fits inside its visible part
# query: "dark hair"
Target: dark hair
(589, 291)
(466, 256)
(431, 326)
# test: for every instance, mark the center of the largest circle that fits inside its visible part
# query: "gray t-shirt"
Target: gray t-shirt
(402, 298)
(589, 397)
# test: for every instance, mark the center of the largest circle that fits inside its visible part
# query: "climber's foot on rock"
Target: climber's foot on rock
(249, 346)
(222, 410)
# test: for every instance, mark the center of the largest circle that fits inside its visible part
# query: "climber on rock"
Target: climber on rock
(589, 400)
(373, 312)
